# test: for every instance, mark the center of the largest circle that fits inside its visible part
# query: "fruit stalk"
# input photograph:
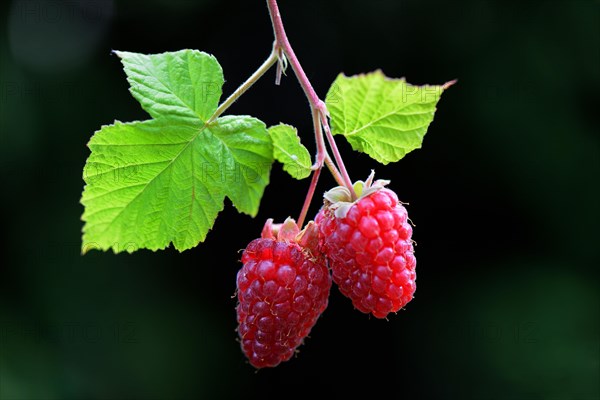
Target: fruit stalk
(337, 155)
(315, 176)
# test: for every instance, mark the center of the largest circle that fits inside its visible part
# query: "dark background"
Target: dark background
(504, 195)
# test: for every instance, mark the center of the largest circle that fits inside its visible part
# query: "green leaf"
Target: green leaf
(164, 180)
(383, 117)
(186, 84)
(288, 150)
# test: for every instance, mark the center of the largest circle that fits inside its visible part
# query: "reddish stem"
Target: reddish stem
(284, 43)
(318, 107)
(317, 168)
(338, 157)
(333, 169)
(309, 196)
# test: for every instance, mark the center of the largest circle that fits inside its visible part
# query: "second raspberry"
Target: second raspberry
(370, 252)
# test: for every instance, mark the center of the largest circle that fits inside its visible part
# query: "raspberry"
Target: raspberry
(369, 247)
(282, 289)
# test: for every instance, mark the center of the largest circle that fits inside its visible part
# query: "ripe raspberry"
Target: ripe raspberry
(282, 288)
(369, 248)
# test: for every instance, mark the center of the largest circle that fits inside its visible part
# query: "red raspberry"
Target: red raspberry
(369, 248)
(282, 290)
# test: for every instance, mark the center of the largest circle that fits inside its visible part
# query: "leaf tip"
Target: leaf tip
(448, 84)
(86, 247)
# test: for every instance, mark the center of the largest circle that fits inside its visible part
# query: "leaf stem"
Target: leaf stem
(269, 62)
(316, 104)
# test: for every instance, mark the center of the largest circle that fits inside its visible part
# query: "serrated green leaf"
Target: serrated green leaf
(288, 150)
(383, 117)
(164, 180)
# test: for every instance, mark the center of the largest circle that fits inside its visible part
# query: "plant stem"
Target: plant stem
(334, 171)
(321, 154)
(309, 196)
(269, 62)
(283, 53)
(282, 41)
(338, 157)
(322, 151)
(316, 104)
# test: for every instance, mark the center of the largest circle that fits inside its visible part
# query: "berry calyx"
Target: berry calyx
(282, 289)
(368, 244)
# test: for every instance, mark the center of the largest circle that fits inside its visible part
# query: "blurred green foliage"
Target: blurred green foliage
(504, 195)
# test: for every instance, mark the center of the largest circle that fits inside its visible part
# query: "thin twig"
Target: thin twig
(269, 62)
